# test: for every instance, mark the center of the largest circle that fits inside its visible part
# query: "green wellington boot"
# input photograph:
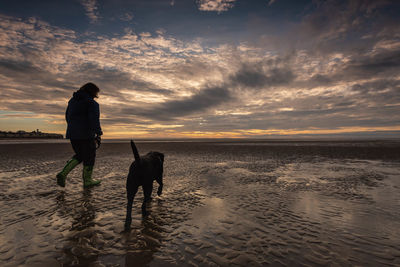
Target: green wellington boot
(61, 176)
(87, 177)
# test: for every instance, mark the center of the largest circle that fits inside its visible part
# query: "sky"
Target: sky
(205, 68)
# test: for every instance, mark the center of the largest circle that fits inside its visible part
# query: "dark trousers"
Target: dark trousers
(85, 150)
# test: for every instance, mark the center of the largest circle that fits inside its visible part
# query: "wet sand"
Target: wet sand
(224, 204)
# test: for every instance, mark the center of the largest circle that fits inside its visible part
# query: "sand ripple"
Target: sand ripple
(224, 205)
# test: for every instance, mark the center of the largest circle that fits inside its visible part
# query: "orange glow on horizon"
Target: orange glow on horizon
(163, 133)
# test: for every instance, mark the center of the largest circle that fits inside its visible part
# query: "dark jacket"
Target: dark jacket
(82, 116)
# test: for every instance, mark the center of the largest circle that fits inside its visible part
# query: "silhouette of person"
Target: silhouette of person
(83, 119)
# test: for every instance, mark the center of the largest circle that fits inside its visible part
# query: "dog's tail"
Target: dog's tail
(135, 151)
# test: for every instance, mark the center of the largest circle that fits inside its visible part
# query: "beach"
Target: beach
(225, 203)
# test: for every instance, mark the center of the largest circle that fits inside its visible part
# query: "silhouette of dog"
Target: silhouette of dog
(142, 172)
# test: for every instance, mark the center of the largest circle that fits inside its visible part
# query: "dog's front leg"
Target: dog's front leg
(147, 189)
(160, 185)
(144, 212)
(159, 180)
(130, 196)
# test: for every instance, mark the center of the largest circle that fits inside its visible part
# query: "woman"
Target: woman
(83, 119)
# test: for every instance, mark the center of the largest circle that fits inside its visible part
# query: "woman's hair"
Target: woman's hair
(91, 89)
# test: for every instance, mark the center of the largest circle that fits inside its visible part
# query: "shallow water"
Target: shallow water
(224, 204)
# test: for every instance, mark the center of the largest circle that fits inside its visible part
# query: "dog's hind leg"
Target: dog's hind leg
(147, 189)
(130, 196)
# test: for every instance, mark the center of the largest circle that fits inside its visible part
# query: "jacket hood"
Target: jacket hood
(80, 94)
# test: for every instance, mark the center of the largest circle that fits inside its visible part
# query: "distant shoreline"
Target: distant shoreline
(28, 135)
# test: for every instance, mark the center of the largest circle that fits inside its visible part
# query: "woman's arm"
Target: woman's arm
(94, 117)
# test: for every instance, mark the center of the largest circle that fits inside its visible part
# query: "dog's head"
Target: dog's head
(159, 155)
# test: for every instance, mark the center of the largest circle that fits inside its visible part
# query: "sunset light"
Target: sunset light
(215, 68)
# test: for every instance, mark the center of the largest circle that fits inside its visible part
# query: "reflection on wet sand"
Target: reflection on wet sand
(141, 244)
(211, 211)
(88, 241)
(82, 244)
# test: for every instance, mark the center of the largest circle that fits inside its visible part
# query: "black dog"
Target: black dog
(142, 172)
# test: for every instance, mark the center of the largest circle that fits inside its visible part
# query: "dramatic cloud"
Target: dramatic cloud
(91, 10)
(170, 110)
(336, 69)
(126, 16)
(254, 76)
(215, 5)
(383, 62)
